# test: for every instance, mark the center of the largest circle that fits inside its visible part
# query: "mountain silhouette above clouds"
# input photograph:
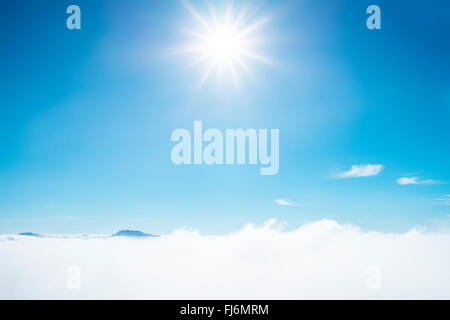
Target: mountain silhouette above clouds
(133, 233)
(31, 234)
(121, 233)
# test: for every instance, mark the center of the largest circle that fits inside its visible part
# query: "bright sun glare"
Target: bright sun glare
(225, 43)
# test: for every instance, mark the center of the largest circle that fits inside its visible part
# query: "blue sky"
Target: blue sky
(86, 117)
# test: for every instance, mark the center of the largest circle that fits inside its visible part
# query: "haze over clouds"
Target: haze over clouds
(318, 260)
(363, 170)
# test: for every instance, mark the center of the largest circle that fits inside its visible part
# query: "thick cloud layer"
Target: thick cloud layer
(318, 260)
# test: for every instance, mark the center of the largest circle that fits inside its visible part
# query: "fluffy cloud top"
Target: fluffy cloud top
(318, 260)
(363, 170)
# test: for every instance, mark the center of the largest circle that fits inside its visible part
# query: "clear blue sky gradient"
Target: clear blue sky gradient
(86, 117)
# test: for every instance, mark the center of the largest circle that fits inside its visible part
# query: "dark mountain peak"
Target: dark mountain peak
(30, 234)
(133, 233)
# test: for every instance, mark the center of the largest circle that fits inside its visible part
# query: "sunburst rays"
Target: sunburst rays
(224, 43)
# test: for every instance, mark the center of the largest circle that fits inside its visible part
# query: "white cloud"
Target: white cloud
(404, 181)
(363, 170)
(288, 203)
(416, 180)
(318, 260)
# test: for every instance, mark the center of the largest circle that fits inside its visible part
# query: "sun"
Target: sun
(225, 43)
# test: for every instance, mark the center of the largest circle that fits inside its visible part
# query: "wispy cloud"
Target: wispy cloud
(444, 200)
(288, 203)
(363, 170)
(416, 180)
